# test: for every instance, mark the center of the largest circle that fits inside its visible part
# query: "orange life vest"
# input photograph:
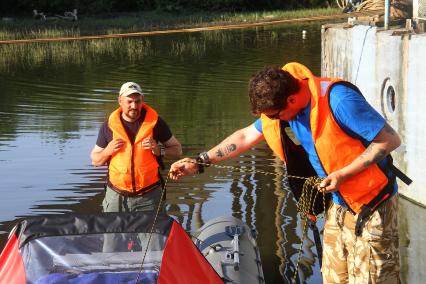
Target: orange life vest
(133, 169)
(335, 148)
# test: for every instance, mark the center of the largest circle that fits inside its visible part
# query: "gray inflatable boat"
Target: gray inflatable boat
(230, 247)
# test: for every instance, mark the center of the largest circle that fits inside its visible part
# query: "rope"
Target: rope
(360, 55)
(305, 204)
(306, 208)
(363, 5)
(185, 30)
(242, 169)
(151, 231)
(371, 5)
(342, 3)
(203, 242)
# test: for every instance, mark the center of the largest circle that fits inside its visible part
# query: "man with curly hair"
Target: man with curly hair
(325, 127)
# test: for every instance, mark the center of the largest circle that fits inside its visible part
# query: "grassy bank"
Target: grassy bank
(28, 28)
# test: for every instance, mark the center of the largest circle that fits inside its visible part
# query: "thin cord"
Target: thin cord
(306, 208)
(305, 205)
(163, 190)
(360, 56)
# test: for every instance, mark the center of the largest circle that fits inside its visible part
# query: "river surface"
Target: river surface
(54, 97)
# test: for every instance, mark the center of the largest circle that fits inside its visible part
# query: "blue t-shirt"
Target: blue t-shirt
(354, 115)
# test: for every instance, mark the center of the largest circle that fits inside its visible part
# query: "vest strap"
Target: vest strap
(133, 194)
(369, 208)
(385, 194)
(403, 177)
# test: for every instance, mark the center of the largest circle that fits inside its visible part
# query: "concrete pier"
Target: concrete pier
(389, 67)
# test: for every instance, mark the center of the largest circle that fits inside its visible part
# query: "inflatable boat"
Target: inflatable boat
(127, 248)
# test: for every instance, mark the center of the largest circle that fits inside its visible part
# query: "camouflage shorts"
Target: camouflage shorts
(371, 258)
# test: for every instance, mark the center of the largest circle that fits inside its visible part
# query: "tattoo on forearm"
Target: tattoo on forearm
(226, 150)
(367, 151)
(230, 148)
(219, 153)
(389, 129)
(380, 155)
(377, 157)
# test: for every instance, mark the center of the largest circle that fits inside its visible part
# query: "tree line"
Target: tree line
(95, 7)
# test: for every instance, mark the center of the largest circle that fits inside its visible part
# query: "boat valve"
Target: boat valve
(234, 232)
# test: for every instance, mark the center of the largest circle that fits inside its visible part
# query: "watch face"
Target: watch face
(205, 157)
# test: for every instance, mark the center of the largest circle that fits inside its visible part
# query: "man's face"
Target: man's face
(287, 113)
(131, 106)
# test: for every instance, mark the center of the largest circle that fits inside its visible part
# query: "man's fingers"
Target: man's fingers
(323, 185)
(175, 166)
(174, 174)
(182, 168)
(115, 145)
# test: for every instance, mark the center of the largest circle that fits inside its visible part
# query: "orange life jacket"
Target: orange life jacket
(133, 169)
(335, 148)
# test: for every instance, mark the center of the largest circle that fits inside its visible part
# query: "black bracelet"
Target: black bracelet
(205, 159)
(200, 164)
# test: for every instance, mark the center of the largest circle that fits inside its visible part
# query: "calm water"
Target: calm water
(53, 99)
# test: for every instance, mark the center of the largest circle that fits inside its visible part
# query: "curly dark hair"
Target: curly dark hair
(270, 88)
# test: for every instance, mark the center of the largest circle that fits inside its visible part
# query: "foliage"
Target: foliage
(25, 7)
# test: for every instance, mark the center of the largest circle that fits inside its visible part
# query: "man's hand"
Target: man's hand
(114, 146)
(100, 156)
(184, 167)
(150, 144)
(385, 142)
(331, 183)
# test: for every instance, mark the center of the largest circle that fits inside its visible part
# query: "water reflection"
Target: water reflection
(54, 97)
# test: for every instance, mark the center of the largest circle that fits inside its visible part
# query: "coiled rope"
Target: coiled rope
(305, 205)
(363, 5)
(372, 5)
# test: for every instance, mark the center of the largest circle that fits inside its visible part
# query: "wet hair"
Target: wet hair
(270, 88)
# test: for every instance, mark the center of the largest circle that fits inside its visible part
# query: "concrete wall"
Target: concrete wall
(412, 237)
(377, 61)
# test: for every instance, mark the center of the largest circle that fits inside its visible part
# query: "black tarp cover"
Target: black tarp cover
(105, 248)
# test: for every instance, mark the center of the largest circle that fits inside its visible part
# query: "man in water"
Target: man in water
(132, 142)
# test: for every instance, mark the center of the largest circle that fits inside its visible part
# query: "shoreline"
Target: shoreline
(182, 28)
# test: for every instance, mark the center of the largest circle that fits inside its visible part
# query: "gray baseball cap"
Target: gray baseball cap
(130, 88)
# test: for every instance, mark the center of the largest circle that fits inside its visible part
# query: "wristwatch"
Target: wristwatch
(204, 158)
(199, 164)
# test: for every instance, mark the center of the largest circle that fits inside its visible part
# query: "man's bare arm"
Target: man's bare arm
(100, 156)
(235, 144)
(172, 148)
(385, 142)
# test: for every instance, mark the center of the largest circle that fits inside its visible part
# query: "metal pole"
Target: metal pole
(387, 13)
